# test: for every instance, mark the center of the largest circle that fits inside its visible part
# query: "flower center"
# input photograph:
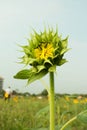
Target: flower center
(45, 51)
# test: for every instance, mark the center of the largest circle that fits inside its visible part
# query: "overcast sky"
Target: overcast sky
(18, 17)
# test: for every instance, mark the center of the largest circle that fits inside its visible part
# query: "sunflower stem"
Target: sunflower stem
(52, 111)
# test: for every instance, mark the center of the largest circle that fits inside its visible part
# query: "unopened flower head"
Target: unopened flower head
(45, 47)
(45, 51)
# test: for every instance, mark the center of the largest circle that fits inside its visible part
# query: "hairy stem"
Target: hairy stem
(52, 113)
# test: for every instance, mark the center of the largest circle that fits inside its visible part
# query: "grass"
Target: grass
(30, 113)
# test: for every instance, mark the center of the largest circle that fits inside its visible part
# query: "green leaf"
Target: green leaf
(83, 116)
(23, 74)
(43, 111)
(31, 74)
(36, 76)
(26, 73)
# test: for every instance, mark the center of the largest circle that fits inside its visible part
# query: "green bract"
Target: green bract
(44, 52)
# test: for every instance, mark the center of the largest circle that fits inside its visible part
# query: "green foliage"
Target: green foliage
(19, 115)
(44, 112)
(31, 113)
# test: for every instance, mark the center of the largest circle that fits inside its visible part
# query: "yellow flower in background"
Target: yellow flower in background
(75, 101)
(85, 99)
(15, 99)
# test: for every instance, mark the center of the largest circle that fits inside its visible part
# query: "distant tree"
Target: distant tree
(34, 95)
(26, 94)
(14, 92)
(44, 92)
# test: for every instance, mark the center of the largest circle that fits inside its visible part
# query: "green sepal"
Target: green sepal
(25, 60)
(26, 49)
(64, 43)
(32, 61)
(64, 51)
(62, 61)
(48, 64)
(40, 67)
(52, 68)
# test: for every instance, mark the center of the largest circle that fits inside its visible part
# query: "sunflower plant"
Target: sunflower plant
(44, 52)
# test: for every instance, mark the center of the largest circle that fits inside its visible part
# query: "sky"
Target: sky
(17, 20)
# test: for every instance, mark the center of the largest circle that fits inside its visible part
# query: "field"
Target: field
(32, 113)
